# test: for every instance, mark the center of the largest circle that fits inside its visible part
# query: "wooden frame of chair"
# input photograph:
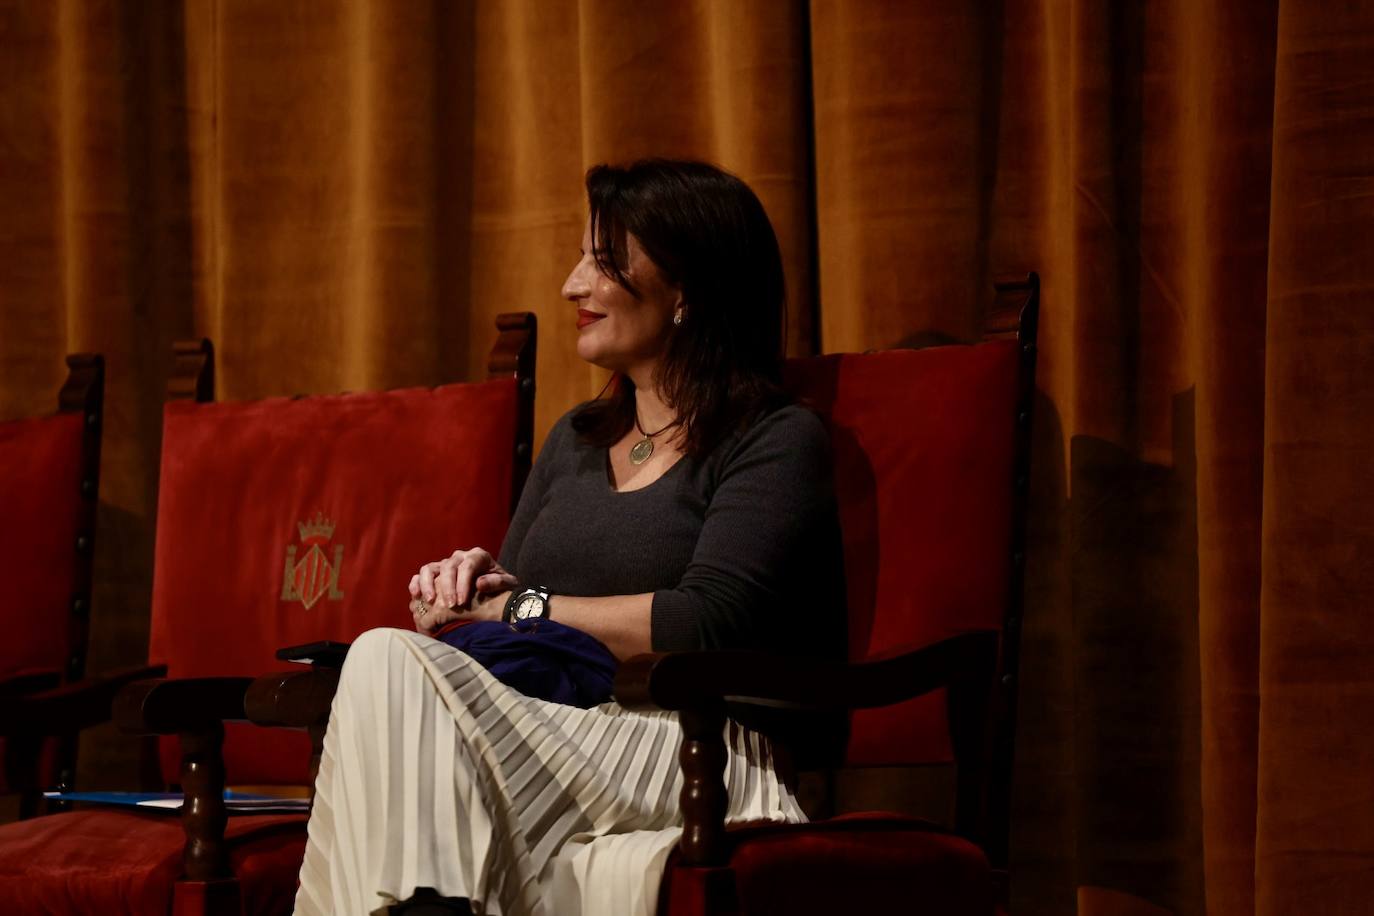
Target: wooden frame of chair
(195, 709)
(1018, 313)
(84, 393)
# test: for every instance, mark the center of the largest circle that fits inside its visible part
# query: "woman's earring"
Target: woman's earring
(677, 317)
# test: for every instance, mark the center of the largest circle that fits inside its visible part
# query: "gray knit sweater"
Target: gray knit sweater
(741, 549)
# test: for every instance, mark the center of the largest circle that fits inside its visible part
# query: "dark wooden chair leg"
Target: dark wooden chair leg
(203, 814)
(703, 800)
(208, 887)
(21, 771)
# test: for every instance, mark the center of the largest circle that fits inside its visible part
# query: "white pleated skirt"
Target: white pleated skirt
(435, 774)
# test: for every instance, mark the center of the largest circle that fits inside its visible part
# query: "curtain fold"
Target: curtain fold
(903, 144)
(1315, 802)
(1227, 127)
(343, 194)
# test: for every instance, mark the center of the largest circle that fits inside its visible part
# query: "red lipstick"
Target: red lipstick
(585, 318)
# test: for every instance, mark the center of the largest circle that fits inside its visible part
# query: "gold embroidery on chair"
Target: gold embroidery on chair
(313, 576)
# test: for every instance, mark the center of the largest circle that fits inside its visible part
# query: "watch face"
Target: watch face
(529, 606)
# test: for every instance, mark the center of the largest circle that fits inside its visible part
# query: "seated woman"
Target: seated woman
(690, 508)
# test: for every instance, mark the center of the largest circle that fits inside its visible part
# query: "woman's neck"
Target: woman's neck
(653, 414)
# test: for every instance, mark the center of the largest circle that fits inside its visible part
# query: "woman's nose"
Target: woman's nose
(578, 285)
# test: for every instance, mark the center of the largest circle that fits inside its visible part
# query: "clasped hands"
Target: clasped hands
(466, 585)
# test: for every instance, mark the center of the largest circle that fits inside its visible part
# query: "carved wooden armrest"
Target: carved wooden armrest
(698, 684)
(33, 708)
(71, 707)
(292, 699)
(171, 706)
(18, 685)
(300, 699)
(296, 699)
(682, 680)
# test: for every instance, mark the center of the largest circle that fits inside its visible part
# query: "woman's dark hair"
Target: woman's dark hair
(709, 235)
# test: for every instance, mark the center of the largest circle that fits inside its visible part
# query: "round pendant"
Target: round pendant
(641, 450)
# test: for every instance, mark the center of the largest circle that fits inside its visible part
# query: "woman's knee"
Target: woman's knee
(373, 650)
(375, 640)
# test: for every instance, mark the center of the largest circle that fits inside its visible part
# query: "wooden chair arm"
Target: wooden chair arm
(71, 707)
(296, 699)
(292, 699)
(18, 685)
(688, 680)
(194, 709)
(172, 706)
(698, 685)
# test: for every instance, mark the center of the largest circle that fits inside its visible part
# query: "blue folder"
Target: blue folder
(170, 802)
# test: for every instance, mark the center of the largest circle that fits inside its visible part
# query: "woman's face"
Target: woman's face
(615, 330)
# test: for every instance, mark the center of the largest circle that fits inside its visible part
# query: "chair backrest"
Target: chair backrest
(931, 453)
(287, 521)
(49, 480)
(49, 476)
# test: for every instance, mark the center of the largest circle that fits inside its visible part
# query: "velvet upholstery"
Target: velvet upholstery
(925, 512)
(871, 863)
(284, 522)
(115, 861)
(40, 513)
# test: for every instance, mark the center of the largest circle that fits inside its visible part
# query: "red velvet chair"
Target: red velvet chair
(932, 453)
(49, 478)
(280, 522)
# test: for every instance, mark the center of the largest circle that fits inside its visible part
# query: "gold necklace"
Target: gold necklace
(642, 450)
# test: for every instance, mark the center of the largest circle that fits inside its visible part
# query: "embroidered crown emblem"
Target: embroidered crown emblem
(314, 575)
(320, 528)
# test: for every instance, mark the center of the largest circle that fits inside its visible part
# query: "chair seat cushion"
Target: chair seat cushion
(868, 863)
(114, 861)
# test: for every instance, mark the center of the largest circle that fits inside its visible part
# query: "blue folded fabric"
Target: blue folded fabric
(540, 658)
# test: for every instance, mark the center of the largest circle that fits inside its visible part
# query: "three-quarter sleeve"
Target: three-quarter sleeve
(769, 523)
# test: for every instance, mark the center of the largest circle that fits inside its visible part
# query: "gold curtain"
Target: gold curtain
(343, 194)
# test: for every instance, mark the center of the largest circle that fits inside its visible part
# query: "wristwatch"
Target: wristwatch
(526, 604)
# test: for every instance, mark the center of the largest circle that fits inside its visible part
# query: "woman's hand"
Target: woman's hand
(485, 606)
(462, 585)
